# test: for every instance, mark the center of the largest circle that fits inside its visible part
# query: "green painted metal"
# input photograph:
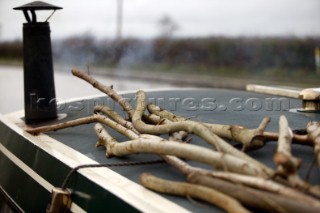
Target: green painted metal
(26, 192)
(31, 196)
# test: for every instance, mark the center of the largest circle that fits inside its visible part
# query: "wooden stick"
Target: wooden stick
(175, 136)
(290, 93)
(209, 195)
(105, 89)
(313, 130)
(287, 164)
(296, 139)
(54, 127)
(156, 145)
(115, 116)
(267, 185)
(255, 198)
(86, 120)
(184, 167)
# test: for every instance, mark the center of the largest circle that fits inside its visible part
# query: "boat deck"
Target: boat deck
(36, 164)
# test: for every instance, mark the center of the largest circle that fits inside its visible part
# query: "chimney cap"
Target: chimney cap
(38, 5)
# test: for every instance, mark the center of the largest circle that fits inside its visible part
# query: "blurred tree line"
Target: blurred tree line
(241, 53)
(11, 50)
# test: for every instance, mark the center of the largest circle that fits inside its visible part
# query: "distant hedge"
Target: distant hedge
(11, 50)
(244, 53)
(240, 52)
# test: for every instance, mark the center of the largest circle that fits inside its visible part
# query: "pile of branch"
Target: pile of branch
(236, 183)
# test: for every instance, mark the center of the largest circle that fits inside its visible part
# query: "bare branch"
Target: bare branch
(287, 164)
(156, 145)
(115, 116)
(54, 127)
(175, 136)
(209, 195)
(86, 120)
(258, 199)
(314, 135)
(105, 89)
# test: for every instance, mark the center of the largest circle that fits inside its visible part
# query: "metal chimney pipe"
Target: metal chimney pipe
(39, 90)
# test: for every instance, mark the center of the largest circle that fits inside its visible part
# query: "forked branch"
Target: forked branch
(249, 138)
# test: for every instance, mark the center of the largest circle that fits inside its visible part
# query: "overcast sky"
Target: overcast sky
(194, 18)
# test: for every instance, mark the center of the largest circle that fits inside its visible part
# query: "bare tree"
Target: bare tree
(167, 26)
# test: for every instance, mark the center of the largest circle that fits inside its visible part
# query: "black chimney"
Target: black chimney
(39, 90)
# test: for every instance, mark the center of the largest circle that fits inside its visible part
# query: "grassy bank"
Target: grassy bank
(294, 77)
